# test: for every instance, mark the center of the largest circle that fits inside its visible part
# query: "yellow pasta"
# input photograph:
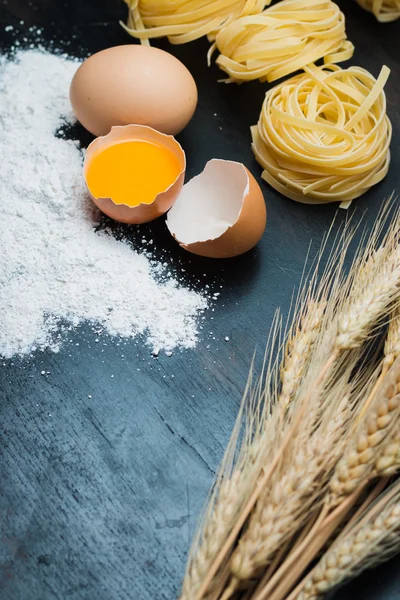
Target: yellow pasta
(283, 39)
(185, 20)
(384, 10)
(323, 136)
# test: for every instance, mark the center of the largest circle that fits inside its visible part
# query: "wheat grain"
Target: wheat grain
(372, 541)
(388, 463)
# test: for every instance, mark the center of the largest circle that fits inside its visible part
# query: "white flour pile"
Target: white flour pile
(54, 267)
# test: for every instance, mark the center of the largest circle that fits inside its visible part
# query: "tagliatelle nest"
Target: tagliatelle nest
(323, 136)
(283, 39)
(185, 20)
(384, 10)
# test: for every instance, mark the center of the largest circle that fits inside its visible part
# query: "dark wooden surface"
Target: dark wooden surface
(99, 496)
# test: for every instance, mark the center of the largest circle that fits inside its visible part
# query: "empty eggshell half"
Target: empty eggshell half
(140, 213)
(220, 213)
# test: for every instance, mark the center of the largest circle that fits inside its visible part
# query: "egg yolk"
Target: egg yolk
(132, 172)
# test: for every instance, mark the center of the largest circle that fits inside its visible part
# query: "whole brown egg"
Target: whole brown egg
(133, 84)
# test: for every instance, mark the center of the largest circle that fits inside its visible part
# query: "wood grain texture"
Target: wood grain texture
(99, 496)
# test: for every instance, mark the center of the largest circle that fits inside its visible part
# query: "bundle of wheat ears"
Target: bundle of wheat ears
(307, 496)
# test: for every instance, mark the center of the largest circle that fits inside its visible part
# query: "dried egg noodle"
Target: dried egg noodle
(185, 20)
(323, 136)
(384, 10)
(283, 39)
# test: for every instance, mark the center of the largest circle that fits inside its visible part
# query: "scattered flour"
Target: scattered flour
(54, 266)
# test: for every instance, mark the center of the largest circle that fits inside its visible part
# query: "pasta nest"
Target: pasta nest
(384, 10)
(283, 39)
(323, 136)
(183, 21)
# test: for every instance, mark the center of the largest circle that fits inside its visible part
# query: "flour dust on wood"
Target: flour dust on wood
(54, 266)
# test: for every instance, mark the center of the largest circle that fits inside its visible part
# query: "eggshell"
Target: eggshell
(221, 213)
(133, 84)
(142, 213)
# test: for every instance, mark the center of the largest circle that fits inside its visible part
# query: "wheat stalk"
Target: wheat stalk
(374, 539)
(300, 437)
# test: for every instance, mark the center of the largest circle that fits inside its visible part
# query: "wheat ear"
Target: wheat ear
(373, 540)
(358, 461)
(391, 353)
(370, 289)
(388, 463)
(310, 316)
(392, 345)
(369, 300)
(299, 350)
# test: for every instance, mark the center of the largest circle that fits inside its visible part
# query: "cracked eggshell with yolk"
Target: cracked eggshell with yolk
(220, 213)
(141, 213)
